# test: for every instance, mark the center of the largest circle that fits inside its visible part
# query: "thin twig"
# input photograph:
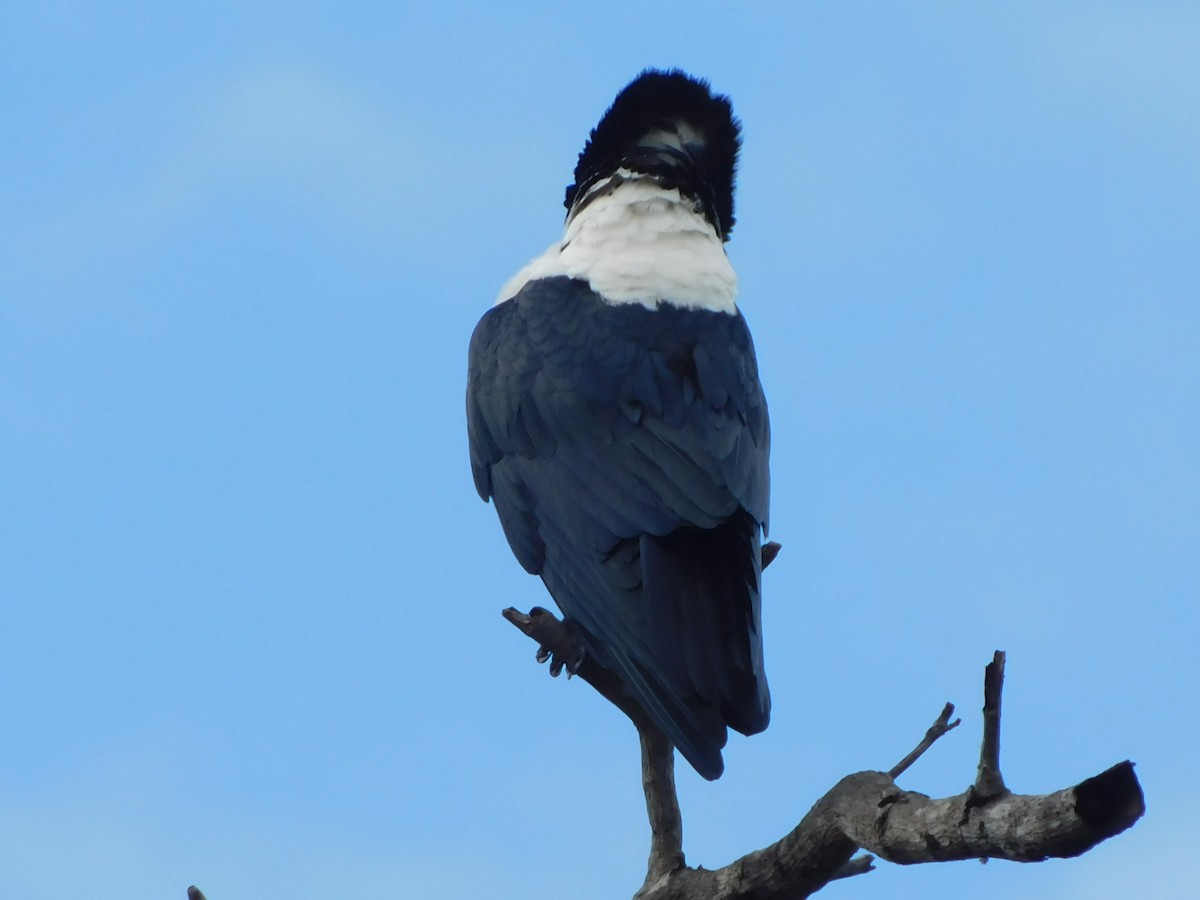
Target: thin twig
(936, 730)
(989, 782)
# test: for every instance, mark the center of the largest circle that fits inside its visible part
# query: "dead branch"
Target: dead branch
(988, 781)
(662, 804)
(866, 811)
(940, 726)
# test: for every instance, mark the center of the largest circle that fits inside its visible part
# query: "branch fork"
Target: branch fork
(866, 811)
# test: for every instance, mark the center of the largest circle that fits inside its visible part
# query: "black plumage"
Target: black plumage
(625, 445)
(661, 101)
(626, 452)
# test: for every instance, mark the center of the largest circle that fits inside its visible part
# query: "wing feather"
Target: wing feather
(626, 450)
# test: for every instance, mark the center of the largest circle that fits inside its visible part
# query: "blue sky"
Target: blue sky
(252, 636)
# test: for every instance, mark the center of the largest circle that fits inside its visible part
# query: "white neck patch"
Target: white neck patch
(639, 243)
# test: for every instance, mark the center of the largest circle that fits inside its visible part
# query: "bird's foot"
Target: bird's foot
(558, 641)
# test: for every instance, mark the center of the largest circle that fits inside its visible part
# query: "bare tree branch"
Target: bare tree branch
(864, 811)
(867, 810)
(989, 782)
(662, 804)
(936, 730)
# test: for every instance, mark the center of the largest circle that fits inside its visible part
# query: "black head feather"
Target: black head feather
(673, 127)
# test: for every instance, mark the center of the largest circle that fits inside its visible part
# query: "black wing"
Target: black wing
(627, 453)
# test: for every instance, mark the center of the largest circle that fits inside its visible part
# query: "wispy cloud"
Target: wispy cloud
(1142, 58)
(313, 146)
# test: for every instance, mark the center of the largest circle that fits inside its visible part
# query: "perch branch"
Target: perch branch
(662, 804)
(869, 811)
(865, 811)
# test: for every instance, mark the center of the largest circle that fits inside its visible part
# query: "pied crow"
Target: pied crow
(616, 420)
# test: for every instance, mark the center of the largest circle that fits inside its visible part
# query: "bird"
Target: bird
(616, 420)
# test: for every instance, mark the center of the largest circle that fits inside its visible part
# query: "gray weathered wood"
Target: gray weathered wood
(865, 811)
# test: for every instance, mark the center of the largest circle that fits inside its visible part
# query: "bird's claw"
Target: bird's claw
(571, 661)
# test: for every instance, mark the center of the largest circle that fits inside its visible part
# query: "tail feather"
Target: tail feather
(701, 591)
(677, 618)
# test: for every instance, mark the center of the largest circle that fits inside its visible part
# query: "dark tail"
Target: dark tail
(701, 593)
